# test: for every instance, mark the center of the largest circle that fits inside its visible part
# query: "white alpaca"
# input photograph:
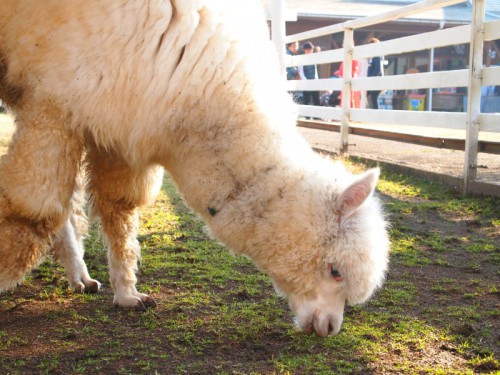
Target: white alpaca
(191, 86)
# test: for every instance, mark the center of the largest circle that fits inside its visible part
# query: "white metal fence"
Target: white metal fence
(473, 78)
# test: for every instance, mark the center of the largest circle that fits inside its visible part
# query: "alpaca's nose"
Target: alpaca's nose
(325, 325)
(322, 315)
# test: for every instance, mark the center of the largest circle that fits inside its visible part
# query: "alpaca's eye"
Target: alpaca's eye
(337, 276)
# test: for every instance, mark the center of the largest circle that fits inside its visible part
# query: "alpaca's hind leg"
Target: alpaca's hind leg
(68, 245)
(116, 191)
(69, 252)
(37, 178)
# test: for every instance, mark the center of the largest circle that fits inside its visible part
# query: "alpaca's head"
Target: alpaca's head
(336, 255)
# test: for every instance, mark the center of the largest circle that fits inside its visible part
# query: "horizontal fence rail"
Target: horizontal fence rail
(470, 122)
(432, 39)
(374, 20)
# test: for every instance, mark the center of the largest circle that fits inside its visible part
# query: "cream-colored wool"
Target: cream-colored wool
(192, 86)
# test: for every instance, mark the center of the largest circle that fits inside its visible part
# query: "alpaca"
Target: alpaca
(191, 86)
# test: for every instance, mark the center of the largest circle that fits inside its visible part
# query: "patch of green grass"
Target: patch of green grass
(313, 363)
(485, 364)
(446, 286)
(406, 250)
(7, 341)
(48, 364)
(397, 294)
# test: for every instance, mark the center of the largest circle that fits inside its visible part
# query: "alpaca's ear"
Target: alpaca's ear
(354, 196)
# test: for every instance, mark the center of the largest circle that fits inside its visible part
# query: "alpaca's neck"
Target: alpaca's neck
(231, 182)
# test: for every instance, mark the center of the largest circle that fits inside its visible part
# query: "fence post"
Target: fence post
(431, 69)
(346, 89)
(474, 94)
(278, 31)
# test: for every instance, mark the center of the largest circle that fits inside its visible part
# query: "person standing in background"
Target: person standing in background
(309, 72)
(292, 72)
(375, 69)
(291, 50)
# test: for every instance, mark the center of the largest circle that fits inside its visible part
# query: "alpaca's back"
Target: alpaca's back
(82, 54)
(125, 67)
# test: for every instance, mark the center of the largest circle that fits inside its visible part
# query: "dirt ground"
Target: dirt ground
(430, 162)
(438, 312)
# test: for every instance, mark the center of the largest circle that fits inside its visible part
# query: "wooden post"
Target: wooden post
(346, 89)
(474, 93)
(431, 69)
(278, 31)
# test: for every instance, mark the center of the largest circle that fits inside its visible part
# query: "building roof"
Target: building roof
(352, 9)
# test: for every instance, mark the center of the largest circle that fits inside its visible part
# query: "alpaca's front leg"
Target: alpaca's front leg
(119, 225)
(116, 191)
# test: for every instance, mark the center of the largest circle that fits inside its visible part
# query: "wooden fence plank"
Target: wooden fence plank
(492, 30)
(314, 85)
(433, 39)
(491, 76)
(489, 122)
(373, 20)
(325, 113)
(455, 78)
(446, 120)
(324, 57)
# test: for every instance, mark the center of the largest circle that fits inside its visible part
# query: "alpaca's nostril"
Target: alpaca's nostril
(308, 330)
(321, 325)
(335, 326)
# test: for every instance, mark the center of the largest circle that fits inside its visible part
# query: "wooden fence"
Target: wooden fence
(473, 78)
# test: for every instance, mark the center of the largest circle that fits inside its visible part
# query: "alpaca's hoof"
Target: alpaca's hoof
(149, 302)
(79, 288)
(146, 303)
(140, 306)
(90, 286)
(139, 302)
